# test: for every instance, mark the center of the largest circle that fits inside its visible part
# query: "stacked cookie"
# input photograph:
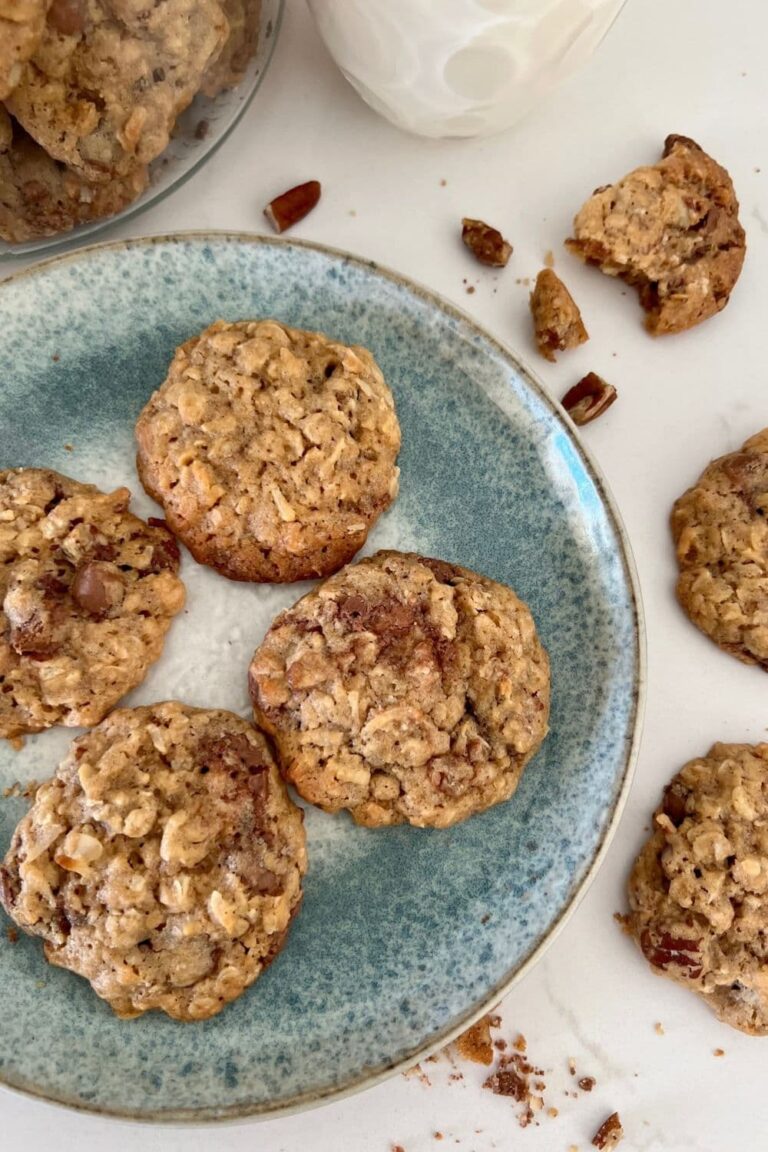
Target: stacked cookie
(92, 90)
(164, 859)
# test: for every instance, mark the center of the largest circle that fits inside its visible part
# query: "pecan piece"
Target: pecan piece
(674, 803)
(610, 1133)
(68, 17)
(667, 950)
(486, 243)
(588, 399)
(290, 207)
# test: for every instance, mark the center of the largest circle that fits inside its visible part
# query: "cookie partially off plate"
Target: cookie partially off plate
(406, 934)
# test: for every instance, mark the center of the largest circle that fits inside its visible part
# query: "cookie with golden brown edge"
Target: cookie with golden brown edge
(87, 594)
(698, 893)
(721, 539)
(272, 450)
(163, 861)
(672, 231)
(403, 689)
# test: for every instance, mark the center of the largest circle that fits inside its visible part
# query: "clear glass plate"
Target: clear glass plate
(188, 150)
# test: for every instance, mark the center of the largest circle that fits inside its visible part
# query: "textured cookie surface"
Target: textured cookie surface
(88, 592)
(672, 231)
(244, 19)
(721, 536)
(162, 862)
(404, 689)
(40, 196)
(21, 27)
(556, 317)
(272, 450)
(102, 91)
(698, 892)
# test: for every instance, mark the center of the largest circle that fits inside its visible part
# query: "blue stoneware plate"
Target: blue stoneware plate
(405, 935)
(197, 134)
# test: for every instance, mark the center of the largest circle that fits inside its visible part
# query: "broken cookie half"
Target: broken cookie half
(670, 230)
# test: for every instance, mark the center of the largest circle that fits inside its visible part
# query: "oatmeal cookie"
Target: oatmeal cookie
(556, 317)
(244, 19)
(163, 861)
(721, 536)
(272, 450)
(88, 592)
(672, 231)
(698, 893)
(41, 197)
(404, 689)
(21, 27)
(109, 77)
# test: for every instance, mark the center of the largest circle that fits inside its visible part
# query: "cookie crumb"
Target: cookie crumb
(658, 1028)
(419, 1074)
(484, 919)
(557, 320)
(553, 1112)
(437, 1135)
(398, 1148)
(500, 1045)
(69, 447)
(201, 129)
(485, 243)
(571, 1065)
(512, 1077)
(587, 1083)
(549, 258)
(12, 934)
(520, 1043)
(610, 1133)
(443, 183)
(719, 1052)
(352, 212)
(470, 289)
(16, 742)
(56, 357)
(475, 1044)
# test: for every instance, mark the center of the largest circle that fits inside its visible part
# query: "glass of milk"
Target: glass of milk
(460, 67)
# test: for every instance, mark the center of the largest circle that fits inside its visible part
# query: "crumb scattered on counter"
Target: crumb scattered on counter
(587, 1083)
(571, 1065)
(512, 1077)
(553, 1112)
(719, 1052)
(549, 258)
(470, 289)
(520, 1044)
(443, 183)
(398, 1148)
(437, 1135)
(475, 1044)
(418, 1073)
(658, 1028)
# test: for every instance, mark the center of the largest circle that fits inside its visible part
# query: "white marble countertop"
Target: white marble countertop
(687, 66)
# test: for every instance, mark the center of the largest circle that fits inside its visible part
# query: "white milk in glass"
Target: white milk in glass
(460, 67)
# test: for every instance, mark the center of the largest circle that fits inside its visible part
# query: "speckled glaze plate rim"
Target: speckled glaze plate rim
(241, 1113)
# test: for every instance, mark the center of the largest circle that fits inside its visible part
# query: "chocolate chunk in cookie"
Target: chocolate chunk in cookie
(272, 450)
(556, 317)
(163, 861)
(41, 197)
(87, 593)
(404, 689)
(698, 893)
(108, 79)
(721, 536)
(672, 231)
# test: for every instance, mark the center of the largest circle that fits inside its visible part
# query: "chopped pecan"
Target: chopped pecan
(588, 399)
(674, 803)
(486, 243)
(67, 17)
(165, 550)
(475, 1044)
(292, 206)
(667, 950)
(610, 1133)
